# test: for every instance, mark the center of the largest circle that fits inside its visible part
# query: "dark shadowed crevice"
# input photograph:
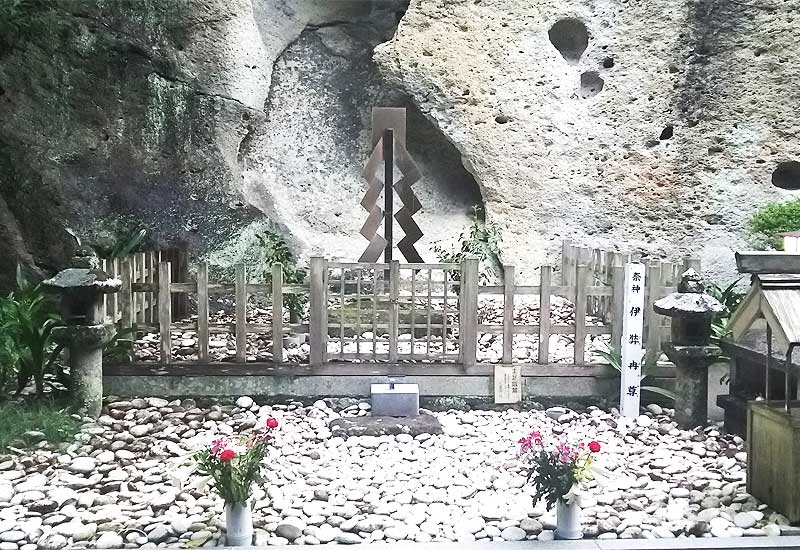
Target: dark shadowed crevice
(787, 175)
(570, 37)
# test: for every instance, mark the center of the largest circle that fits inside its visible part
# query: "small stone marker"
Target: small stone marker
(631, 345)
(507, 384)
(395, 399)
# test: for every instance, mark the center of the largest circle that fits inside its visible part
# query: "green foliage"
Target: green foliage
(483, 241)
(119, 350)
(773, 218)
(731, 297)
(40, 415)
(124, 245)
(20, 19)
(274, 250)
(27, 319)
(613, 357)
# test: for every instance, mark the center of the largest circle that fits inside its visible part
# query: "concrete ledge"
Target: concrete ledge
(354, 380)
(741, 543)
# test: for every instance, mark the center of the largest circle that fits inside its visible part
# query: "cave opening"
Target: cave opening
(591, 84)
(570, 37)
(787, 175)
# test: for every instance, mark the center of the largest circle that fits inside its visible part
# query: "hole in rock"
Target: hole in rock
(570, 38)
(608, 62)
(667, 132)
(591, 84)
(787, 175)
(501, 119)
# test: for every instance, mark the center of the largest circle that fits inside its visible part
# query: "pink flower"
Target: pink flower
(218, 445)
(227, 455)
(272, 423)
(594, 447)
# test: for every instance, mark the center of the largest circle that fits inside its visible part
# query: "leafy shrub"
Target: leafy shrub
(25, 18)
(275, 250)
(27, 320)
(731, 297)
(774, 218)
(483, 241)
(123, 246)
(614, 358)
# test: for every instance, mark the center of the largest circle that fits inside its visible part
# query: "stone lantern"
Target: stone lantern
(82, 287)
(690, 348)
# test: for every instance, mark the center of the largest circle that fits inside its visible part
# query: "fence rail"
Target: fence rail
(390, 312)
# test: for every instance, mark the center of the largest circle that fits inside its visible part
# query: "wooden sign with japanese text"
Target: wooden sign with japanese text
(631, 345)
(507, 384)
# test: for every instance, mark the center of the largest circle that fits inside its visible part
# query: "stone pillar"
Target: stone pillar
(84, 332)
(690, 350)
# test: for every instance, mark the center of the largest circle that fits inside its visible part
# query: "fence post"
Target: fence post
(126, 295)
(564, 262)
(617, 300)
(508, 314)
(202, 311)
(394, 308)
(653, 319)
(581, 283)
(318, 312)
(544, 314)
(468, 314)
(277, 313)
(165, 310)
(241, 313)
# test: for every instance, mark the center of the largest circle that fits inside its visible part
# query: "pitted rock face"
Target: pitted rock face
(673, 152)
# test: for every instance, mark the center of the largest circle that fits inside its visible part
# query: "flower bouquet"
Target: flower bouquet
(233, 466)
(558, 470)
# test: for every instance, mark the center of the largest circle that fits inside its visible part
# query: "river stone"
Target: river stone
(109, 540)
(288, 531)
(52, 541)
(82, 465)
(513, 534)
(744, 520)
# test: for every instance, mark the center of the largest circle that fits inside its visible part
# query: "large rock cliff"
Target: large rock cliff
(654, 125)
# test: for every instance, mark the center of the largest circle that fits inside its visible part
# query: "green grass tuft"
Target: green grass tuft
(47, 416)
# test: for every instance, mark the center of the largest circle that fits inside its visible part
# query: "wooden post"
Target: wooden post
(617, 300)
(318, 312)
(165, 310)
(394, 308)
(277, 313)
(544, 314)
(126, 295)
(581, 283)
(632, 335)
(564, 262)
(508, 314)
(653, 348)
(468, 317)
(202, 311)
(241, 313)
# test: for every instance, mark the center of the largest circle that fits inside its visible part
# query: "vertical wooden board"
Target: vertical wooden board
(342, 310)
(544, 314)
(468, 330)
(394, 311)
(617, 304)
(165, 310)
(413, 312)
(277, 313)
(653, 349)
(241, 313)
(126, 295)
(508, 314)
(202, 311)
(317, 311)
(581, 282)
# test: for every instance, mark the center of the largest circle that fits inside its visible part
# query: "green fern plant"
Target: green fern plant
(27, 318)
(275, 250)
(483, 240)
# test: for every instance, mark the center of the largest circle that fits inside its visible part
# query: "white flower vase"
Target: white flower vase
(238, 524)
(568, 520)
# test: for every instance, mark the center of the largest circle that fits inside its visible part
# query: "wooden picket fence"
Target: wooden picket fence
(375, 312)
(606, 269)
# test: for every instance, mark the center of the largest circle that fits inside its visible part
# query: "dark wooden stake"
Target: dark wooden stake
(388, 192)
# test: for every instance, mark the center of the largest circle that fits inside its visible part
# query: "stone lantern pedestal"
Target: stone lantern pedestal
(692, 311)
(85, 332)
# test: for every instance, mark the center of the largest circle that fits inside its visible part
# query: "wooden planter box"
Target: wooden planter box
(773, 455)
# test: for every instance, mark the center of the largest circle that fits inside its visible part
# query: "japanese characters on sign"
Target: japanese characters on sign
(507, 384)
(631, 345)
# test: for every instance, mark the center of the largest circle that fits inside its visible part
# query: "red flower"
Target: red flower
(594, 446)
(227, 455)
(272, 423)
